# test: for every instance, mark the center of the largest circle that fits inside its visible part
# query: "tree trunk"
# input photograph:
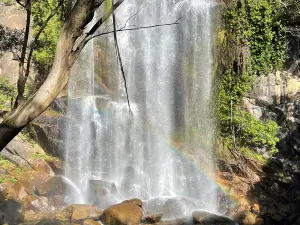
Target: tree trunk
(57, 78)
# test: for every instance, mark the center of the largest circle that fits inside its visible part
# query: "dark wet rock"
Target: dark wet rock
(12, 212)
(207, 218)
(169, 207)
(46, 131)
(122, 214)
(60, 105)
(51, 222)
(178, 221)
(154, 218)
(136, 201)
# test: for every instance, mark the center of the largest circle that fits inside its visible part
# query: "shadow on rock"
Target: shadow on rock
(11, 211)
(278, 191)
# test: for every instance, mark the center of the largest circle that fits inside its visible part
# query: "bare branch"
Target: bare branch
(20, 3)
(81, 42)
(119, 57)
(136, 28)
(104, 18)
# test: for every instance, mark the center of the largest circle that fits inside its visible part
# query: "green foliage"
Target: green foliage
(45, 157)
(257, 24)
(10, 39)
(7, 92)
(251, 43)
(8, 2)
(46, 45)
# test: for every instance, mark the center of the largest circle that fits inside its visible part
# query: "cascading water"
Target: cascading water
(164, 153)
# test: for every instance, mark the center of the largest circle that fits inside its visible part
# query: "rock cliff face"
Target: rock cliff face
(277, 97)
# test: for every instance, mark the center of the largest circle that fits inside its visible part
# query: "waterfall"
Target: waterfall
(164, 152)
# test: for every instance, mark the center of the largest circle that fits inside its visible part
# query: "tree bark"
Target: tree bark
(57, 79)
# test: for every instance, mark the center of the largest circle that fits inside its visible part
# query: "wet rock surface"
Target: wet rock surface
(207, 218)
(122, 214)
(149, 219)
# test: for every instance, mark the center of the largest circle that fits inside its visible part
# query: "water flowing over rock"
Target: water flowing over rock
(164, 150)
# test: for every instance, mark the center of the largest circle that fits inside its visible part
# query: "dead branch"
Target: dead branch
(119, 57)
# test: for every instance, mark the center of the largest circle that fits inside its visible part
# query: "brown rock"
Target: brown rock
(50, 222)
(38, 216)
(79, 213)
(255, 209)
(136, 201)
(52, 186)
(90, 222)
(155, 218)
(122, 214)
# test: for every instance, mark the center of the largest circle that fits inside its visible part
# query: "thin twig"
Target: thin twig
(136, 28)
(119, 56)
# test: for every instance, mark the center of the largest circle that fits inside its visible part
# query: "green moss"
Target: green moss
(45, 157)
(6, 164)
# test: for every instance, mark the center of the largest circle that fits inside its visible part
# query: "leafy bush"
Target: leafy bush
(252, 44)
(257, 24)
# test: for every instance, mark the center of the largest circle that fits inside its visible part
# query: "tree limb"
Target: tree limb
(23, 78)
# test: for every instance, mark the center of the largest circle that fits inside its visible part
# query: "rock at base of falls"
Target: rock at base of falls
(150, 219)
(103, 193)
(122, 214)
(78, 213)
(135, 201)
(207, 218)
(170, 207)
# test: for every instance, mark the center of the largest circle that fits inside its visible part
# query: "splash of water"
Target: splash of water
(169, 75)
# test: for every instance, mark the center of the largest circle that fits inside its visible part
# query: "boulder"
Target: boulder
(169, 207)
(78, 213)
(136, 201)
(46, 131)
(122, 214)
(51, 222)
(178, 221)
(90, 222)
(53, 186)
(103, 193)
(12, 212)
(38, 216)
(155, 218)
(207, 218)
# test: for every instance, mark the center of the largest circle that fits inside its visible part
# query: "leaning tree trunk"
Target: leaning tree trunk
(58, 77)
